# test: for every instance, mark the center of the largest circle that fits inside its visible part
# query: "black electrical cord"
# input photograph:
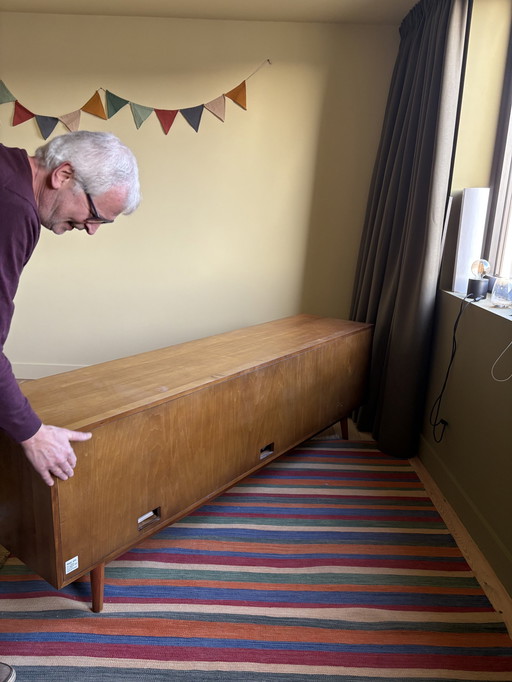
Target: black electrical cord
(435, 422)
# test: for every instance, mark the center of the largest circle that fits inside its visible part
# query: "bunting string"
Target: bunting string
(111, 103)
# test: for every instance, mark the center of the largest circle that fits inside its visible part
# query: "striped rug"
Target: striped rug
(329, 564)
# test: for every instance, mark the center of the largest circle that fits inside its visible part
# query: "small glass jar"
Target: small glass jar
(501, 296)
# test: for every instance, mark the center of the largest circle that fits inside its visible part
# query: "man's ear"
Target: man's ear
(61, 175)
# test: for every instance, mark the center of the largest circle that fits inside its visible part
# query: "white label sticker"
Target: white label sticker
(71, 565)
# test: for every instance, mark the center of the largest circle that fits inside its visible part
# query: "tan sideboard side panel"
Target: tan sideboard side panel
(26, 512)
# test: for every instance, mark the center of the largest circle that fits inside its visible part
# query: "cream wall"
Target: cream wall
(243, 222)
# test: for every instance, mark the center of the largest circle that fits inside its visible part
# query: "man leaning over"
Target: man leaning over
(77, 181)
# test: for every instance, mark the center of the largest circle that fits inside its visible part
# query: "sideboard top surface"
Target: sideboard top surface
(102, 392)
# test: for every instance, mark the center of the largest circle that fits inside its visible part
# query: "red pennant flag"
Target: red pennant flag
(238, 95)
(21, 114)
(166, 118)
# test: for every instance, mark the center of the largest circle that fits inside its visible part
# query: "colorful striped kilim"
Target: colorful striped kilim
(329, 564)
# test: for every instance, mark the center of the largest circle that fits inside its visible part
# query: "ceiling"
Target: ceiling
(344, 11)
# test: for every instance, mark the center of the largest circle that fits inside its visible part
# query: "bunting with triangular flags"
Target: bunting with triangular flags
(21, 114)
(140, 113)
(95, 107)
(5, 94)
(46, 125)
(193, 116)
(166, 118)
(238, 95)
(114, 103)
(217, 107)
(71, 121)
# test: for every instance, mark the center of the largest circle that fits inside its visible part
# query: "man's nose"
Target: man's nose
(92, 228)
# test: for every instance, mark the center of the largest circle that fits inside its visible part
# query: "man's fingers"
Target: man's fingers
(63, 468)
(62, 473)
(50, 453)
(45, 475)
(78, 435)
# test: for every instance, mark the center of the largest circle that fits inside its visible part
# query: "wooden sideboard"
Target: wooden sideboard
(172, 428)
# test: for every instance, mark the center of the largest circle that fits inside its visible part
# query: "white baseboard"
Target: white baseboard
(27, 370)
(485, 574)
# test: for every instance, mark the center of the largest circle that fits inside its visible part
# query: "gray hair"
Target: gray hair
(100, 162)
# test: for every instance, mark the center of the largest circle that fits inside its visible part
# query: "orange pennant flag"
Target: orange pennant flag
(238, 95)
(95, 106)
(21, 114)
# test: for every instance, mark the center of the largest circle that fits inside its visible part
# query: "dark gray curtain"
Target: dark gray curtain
(400, 255)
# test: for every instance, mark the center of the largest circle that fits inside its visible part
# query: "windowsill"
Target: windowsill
(485, 304)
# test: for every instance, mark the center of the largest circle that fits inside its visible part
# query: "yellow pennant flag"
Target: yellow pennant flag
(95, 106)
(238, 95)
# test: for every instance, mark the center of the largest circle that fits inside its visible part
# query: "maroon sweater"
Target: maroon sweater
(19, 232)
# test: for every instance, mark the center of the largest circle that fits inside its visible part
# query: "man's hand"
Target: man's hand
(49, 451)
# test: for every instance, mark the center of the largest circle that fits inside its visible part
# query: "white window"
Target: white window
(504, 256)
(498, 247)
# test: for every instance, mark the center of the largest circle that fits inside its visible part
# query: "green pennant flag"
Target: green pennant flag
(140, 113)
(114, 103)
(46, 125)
(5, 94)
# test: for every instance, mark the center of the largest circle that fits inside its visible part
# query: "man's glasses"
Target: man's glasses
(96, 218)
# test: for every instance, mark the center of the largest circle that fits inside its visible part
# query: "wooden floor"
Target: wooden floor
(492, 586)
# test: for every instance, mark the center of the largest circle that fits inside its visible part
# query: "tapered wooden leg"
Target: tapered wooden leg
(344, 428)
(97, 587)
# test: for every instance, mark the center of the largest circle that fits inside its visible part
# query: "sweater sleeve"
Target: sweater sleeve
(19, 232)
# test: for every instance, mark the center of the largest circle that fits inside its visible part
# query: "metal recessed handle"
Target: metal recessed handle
(267, 450)
(148, 518)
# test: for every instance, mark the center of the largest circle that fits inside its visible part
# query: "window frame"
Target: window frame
(499, 216)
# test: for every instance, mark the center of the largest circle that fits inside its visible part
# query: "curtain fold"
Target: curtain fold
(400, 254)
